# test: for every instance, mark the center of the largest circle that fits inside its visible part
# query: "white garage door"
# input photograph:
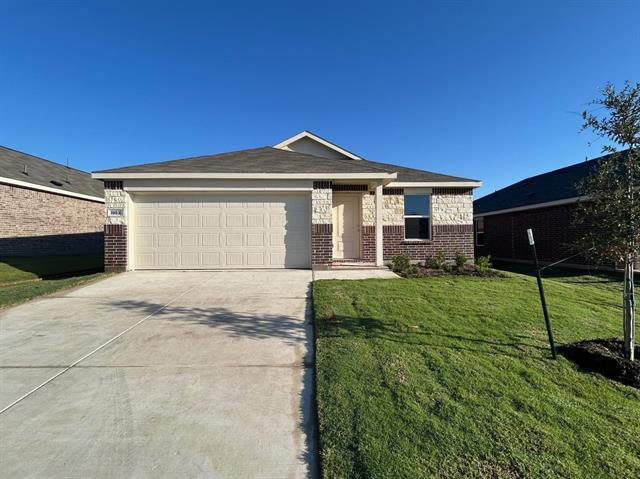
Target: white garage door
(221, 231)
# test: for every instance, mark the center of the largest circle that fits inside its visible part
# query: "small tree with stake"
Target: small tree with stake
(611, 205)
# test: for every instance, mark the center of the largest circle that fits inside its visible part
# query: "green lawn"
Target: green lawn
(15, 269)
(25, 278)
(450, 377)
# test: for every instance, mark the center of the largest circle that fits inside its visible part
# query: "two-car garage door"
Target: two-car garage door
(209, 231)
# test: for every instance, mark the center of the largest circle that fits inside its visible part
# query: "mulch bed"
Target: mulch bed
(469, 271)
(606, 357)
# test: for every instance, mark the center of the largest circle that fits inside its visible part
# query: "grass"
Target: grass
(16, 269)
(603, 279)
(25, 278)
(20, 292)
(450, 377)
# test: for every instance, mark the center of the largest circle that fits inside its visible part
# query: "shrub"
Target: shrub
(412, 271)
(400, 263)
(436, 262)
(461, 261)
(483, 263)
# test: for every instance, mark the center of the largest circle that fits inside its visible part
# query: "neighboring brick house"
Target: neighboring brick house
(545, 203)
(305, 202)
(47, 208)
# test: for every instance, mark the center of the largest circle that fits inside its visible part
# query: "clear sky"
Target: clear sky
(486, 90)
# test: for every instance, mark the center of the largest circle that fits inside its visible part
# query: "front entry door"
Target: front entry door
(346, 226)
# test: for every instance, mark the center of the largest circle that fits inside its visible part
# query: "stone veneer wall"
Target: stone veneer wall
(37, 223)
(451, 228)
(115, 227)
(452, 206)
(321, 223)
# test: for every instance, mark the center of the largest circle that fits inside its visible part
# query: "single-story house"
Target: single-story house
(305, 202)
(545, 203)
(47, 208)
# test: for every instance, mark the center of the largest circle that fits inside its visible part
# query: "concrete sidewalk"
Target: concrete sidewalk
(213, 378)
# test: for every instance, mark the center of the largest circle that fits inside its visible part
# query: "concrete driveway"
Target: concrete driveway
(174, 374)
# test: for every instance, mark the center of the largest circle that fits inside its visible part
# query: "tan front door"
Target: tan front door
(346, 226)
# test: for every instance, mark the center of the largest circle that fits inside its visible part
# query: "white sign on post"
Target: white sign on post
(530, 235)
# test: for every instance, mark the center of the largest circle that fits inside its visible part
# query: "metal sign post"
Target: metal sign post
(552, 344)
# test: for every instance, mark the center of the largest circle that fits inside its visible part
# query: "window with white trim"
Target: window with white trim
(417, 216)
(479, 224)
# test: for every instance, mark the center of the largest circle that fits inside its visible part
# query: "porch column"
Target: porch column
(379, 245)
(321, 225)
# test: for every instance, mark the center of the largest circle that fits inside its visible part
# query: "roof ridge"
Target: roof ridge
(267, 147)
(551, 172)
(44, 159)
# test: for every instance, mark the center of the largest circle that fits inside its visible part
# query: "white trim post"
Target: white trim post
(379, 245)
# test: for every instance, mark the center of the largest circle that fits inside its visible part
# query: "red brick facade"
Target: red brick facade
(37, 223)
(505, 235)
(446, 238)
(321, 244)
(115, 247)
(368, 239)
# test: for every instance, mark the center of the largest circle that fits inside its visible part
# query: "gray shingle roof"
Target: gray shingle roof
(44, 173)
(552, 186)
(274, 160)
(412, 175)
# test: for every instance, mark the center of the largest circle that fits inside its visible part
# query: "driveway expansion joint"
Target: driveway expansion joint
(103, 345)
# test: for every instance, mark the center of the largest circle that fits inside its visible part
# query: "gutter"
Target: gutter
(33, 186)
(566, 201)
(435, 184)
(253, 176)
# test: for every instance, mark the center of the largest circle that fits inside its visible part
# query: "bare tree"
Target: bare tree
(611, 206)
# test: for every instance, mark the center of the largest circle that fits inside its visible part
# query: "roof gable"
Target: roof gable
(311, 144)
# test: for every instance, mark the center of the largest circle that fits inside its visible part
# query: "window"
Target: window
(417, 210)
(479, 223)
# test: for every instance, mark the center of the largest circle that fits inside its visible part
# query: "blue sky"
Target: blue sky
(486, 90)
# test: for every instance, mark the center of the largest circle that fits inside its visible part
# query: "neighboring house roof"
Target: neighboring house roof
(555, 187)
(22, 169)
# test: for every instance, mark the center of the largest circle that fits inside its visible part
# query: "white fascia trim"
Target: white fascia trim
(141, 189)
(33, 186)
(536, 206)
(328, 144)
(252, 176)
(435, 184)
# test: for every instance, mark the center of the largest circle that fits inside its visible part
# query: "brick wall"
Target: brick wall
(321, 227)
(368, 238)
(446, 238)
(451, 229)
(115, 227)
(321, 244)
(37, 223)
(115, 247)
(506, 235)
